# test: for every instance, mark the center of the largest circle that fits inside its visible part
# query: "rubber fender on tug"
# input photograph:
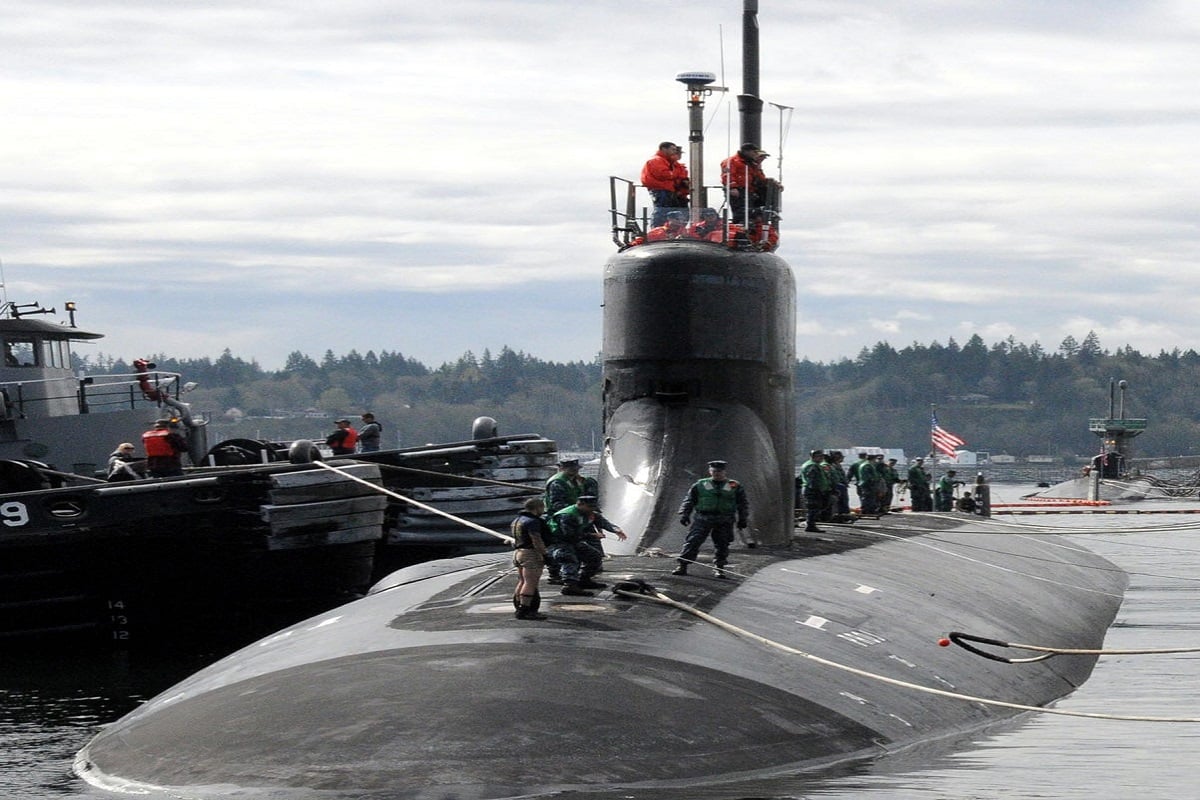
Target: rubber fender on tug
(303, 451)
(232, 452)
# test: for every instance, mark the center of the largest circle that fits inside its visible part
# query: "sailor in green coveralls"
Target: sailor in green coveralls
(716, 501)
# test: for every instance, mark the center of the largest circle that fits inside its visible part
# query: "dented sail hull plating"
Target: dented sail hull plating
(698, 359)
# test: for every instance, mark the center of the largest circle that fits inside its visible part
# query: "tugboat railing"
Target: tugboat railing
(91, 393)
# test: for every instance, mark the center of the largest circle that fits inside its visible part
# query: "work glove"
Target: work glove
(685, 521)
(741, 524)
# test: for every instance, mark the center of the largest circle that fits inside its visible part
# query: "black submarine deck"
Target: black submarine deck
(431, 688)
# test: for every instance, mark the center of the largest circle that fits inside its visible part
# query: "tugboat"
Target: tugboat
(255, 536)
(52, 418)
(443, 500)
(216, 552)
(252, 537)
(803, 654)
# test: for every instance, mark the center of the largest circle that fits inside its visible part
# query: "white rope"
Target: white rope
(501, 536)
(659, 597)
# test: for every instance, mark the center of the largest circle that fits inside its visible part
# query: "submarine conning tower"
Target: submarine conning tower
(698, 357)
(699, 347)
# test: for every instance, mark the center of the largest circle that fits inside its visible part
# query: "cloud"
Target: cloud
(236, 168)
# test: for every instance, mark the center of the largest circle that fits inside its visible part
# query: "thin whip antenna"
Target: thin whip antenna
(728, 108)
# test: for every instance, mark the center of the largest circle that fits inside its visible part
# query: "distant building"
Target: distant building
(967, 457)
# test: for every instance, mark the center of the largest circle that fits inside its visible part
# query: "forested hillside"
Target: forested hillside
(1006, 397)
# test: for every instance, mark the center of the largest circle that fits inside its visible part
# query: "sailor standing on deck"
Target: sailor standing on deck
(918, 486)
(816, 489)
(840, 502)
(890, 478)
(716, 502)
(529, 556)
(369, 434)
(342, 440)
(667, 180)
(744, 180)
(865, 475)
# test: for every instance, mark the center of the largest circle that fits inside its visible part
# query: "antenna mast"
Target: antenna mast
(749, 103)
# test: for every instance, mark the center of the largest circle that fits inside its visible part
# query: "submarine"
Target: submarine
(815, 654)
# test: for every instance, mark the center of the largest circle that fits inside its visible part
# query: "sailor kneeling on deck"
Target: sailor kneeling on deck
(570, 530)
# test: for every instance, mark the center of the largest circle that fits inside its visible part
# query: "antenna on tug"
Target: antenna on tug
(698, 87)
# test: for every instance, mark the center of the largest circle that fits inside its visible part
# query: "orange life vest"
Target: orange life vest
(157, 443)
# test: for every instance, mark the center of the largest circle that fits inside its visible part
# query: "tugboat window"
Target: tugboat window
(52, 353)
(20, 353)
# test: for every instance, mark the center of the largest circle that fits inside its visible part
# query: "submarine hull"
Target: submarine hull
(429, 688)
(698, 358)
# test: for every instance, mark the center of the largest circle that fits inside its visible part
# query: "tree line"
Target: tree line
(1006, 397)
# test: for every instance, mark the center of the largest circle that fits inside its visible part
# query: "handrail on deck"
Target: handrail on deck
(89, 391)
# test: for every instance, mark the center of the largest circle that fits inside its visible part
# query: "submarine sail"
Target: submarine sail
(699, 351)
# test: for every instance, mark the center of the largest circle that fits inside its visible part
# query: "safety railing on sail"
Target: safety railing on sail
(623, 208)
(92, 394)
(631, 223)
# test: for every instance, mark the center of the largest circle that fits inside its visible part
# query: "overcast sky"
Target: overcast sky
(431, 178)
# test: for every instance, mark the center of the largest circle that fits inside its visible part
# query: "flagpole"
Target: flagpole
(932, 445)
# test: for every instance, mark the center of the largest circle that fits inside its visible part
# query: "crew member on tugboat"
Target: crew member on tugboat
(342, 440)
(121, 464)
(164, 450)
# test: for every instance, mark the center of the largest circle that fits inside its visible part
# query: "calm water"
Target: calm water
(51, 705)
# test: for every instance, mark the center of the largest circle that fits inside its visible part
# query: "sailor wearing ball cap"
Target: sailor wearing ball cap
(815, 490)
(918, 486)
(565, 486)
(743, 177)
(716, 501)
(571, 530)
(563, 489)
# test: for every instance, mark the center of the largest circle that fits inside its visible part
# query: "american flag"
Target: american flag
(943, 441)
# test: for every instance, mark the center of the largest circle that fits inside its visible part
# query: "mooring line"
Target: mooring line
(382, 490)
(658, 597)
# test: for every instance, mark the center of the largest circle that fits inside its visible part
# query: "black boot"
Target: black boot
(719, 571)
(526, 609)
(573, 588)
(680, 570)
